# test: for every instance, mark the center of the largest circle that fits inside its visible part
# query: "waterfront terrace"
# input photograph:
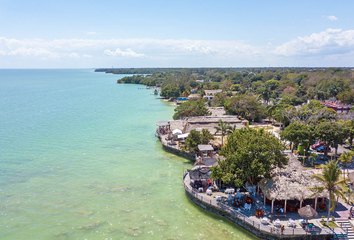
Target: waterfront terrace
(205, 122)
(256, 217)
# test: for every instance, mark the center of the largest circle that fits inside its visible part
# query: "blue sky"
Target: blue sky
(91, 34)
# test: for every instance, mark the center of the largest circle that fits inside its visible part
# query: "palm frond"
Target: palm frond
(341, 195)
(319, 177)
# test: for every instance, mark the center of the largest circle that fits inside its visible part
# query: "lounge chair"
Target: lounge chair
(277, 223)
(291, 223)
(302, 222)
(209, 192)
(265, 220)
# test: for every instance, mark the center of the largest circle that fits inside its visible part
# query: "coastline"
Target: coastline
(251, 226)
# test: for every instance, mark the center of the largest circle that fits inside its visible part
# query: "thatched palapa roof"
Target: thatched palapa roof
(290, 183)
(308, 212)
(205, 148)
(162, 123)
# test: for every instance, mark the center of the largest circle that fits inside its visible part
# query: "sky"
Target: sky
(169, 33)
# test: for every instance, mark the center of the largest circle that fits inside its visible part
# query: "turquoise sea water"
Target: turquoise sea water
(79, 160)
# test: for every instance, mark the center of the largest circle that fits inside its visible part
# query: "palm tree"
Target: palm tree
(313, 156)
(346, 158)
(224, 128)
(330, 178)
(271, 108)
(232, 129)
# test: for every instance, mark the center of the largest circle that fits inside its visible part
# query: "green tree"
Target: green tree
(298, 133)
(272, 84)
(275, 110)
(191, 109)
(350, 130)
(170, 91)
(224, 128)
(236, 87)
(311, 113)
(206, 136)
(196, 138)
(313, 157)
(330, 178)
(249, 155)
(192, 141)
(246, 106)
(346, 97)
(345, 159)
(265, 91)
(330, 133)
(332, 86)
(225, 85)
(219, 99)
(275, 104)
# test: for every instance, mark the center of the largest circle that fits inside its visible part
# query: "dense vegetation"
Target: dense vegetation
(252, 93)
(191, 109)
(196, 138)
(249, 155)
(314, 121)
(296, 85)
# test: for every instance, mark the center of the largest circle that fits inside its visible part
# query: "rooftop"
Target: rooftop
(291, 182)
(162, 123)
(205, 148)
(336, 104)
(212, 92)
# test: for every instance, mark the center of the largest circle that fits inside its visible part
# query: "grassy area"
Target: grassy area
(264, 126)
(330, 224)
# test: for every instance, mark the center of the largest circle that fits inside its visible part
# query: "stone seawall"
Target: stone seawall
(179, 152)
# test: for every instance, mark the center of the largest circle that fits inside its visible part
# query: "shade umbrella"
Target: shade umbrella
(177, 132)
(308, 212)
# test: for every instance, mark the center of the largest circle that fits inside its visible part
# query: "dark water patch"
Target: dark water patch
(62, 235)
(91, 225)
(18, 161)
(84, 212)
(101, 188)
(132, 231)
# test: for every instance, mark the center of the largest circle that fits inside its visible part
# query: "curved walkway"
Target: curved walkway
(253, 225)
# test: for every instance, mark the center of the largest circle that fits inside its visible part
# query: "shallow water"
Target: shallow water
(79, 160)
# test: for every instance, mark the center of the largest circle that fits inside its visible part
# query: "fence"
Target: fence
(246, 220)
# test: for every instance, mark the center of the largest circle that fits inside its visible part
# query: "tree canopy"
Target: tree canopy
(298, 133)
(331, 133)
(196, 138)
(249, 154)
(246, 106)
(191, 109)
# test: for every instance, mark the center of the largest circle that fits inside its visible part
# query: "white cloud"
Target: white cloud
(200, 47)
(127, 53)
(91, 33)
(73, 55)
(177, 52)
(332, 18)
(37, 52)
(331, 41)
